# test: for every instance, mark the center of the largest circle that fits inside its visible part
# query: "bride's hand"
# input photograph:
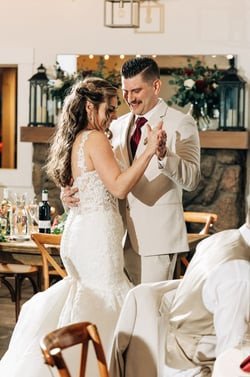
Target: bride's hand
(155, 137)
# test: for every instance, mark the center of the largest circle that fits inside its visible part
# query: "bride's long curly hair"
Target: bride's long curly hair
(74, 118)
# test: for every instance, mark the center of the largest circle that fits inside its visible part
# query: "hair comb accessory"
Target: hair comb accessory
(89, 95)
(81, 92)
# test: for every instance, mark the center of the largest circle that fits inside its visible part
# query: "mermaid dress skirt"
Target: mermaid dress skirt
(94, 289)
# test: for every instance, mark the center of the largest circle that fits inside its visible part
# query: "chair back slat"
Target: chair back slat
(206, 218)
(44, 241)
(81, 333)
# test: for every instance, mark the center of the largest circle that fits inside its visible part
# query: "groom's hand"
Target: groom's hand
(67, 197)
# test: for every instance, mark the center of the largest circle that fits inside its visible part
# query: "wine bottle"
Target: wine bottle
(6, 214)
(44, 223)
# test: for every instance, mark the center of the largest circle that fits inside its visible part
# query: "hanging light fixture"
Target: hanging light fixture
(122, 13)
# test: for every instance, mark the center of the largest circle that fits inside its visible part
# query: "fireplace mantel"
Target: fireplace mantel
(37, 134)
(208, 139)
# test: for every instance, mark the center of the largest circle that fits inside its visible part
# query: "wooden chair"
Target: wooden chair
(80, 333)
(206, 218)
(19, 272)
(50, 268)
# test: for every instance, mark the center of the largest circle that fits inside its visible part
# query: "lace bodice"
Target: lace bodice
(92, 192)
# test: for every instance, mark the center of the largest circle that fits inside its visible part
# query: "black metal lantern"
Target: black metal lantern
(232, 100)
(122, 13)
(40, 113)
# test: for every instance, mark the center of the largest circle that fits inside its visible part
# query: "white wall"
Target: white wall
(35, 31)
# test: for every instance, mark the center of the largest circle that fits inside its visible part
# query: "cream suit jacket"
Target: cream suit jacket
(139, 339)
(153, 212)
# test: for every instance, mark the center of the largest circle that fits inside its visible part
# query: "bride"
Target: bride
(91, 247)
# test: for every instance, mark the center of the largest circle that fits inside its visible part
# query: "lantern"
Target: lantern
(232, 100)
(122, 13)
(40, 113)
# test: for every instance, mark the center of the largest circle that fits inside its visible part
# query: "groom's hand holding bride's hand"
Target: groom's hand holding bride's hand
(156, 138)
(159, 136)
(161, 151)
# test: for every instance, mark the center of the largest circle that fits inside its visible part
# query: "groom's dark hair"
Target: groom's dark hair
(143, 65)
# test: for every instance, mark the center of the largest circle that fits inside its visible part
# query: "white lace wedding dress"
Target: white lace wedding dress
(94, 289)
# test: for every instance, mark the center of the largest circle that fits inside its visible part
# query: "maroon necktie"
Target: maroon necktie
(137, 134)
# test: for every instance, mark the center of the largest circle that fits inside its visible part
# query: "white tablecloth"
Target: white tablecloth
(228, 364)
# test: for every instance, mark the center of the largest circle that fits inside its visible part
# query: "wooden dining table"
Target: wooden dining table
(26, 252)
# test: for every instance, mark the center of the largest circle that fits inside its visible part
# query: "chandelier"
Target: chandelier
(122, 13)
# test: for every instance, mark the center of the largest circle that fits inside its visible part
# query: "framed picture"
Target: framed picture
(151, 18)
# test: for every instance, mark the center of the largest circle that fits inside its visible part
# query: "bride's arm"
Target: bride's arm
(120, 183)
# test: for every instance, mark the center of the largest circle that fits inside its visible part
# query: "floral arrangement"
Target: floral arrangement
(4, 238)
(198, 85)
(59, 87)
(58, 223)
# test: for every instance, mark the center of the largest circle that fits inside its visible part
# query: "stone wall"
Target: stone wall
(221, 189)
(40, 179)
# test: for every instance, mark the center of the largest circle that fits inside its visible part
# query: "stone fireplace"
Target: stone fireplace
(222, 187)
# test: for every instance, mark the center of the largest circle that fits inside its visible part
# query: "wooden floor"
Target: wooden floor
(7, 313)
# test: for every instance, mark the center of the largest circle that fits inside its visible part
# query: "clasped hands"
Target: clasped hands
(161, 139)
(156, 136)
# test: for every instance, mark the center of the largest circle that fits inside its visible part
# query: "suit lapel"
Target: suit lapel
(124, 139)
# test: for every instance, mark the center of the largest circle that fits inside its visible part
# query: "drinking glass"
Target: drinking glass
(33, 212)
(21, 216)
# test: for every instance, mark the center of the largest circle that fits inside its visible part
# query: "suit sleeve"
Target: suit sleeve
(183, 155)
(138, 347)
(123, 333)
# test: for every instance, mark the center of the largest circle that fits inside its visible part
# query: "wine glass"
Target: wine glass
(33, 212)
(20, 215)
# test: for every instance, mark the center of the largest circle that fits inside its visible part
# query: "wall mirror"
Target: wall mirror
(70, 64)
(167, 63)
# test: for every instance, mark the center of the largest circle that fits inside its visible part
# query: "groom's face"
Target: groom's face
(141, 96)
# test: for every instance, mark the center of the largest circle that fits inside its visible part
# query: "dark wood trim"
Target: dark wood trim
(37, 134)
(208, 139)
